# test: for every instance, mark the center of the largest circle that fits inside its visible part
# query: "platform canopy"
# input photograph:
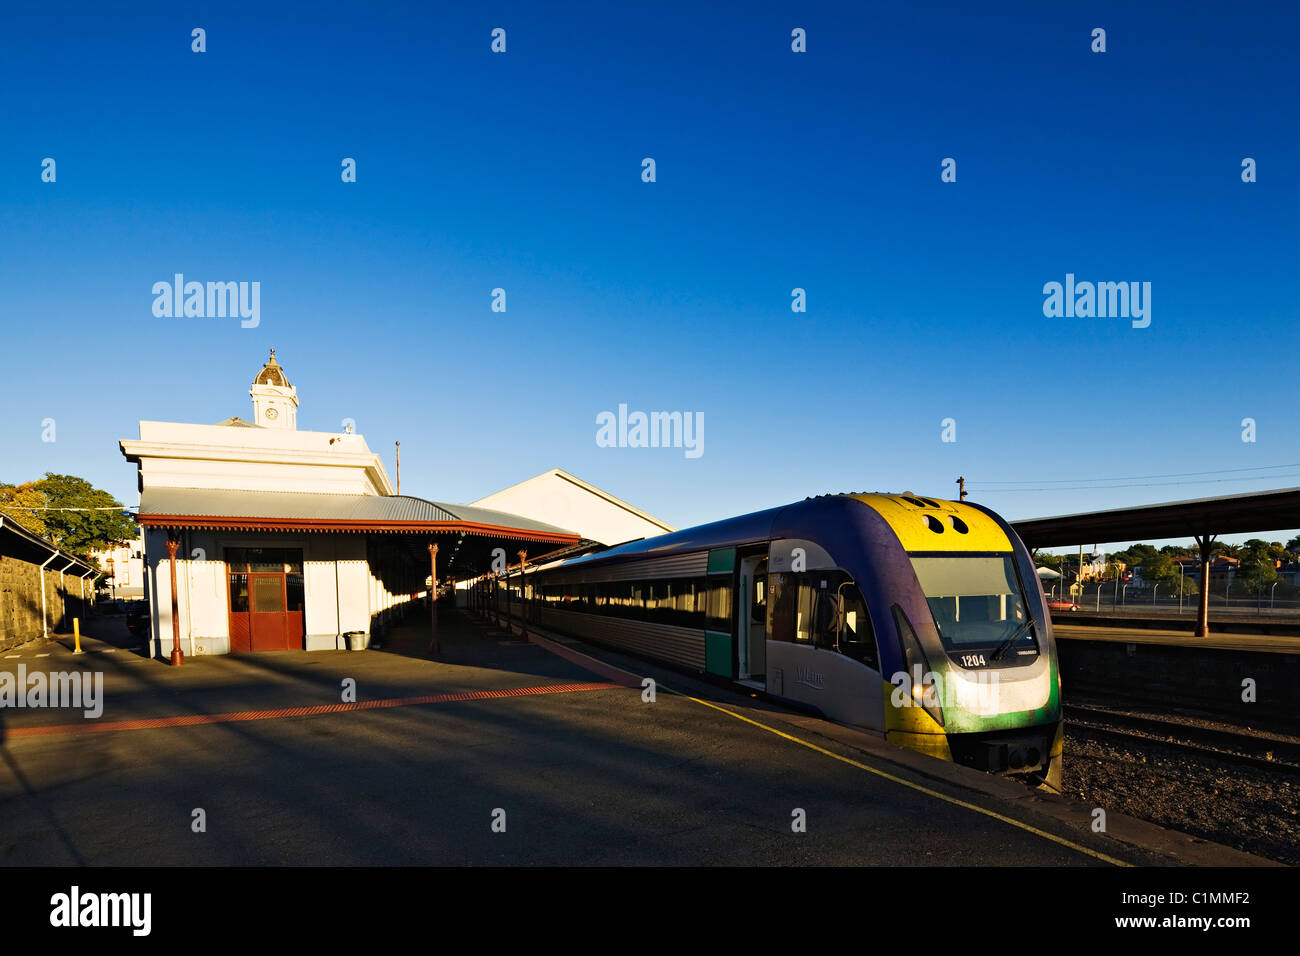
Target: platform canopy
(466, 535)
(1199, 517)
(31, 547)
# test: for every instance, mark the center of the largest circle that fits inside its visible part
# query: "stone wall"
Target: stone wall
(20, 601)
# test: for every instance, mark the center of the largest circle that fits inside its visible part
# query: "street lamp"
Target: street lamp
(1271, 594)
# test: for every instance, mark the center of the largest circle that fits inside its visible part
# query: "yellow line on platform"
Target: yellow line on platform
(916, 786)
(1070, 844)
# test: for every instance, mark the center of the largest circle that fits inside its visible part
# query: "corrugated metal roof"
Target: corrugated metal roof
(10, 525)
(307, 506)
(1253, 511)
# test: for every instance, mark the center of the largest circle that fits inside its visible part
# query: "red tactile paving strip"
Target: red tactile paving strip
(188, 720)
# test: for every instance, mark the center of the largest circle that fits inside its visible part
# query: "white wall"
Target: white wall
(340, 591)
(354, 585)
(229, 457)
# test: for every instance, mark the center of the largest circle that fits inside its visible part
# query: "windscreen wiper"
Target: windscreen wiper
(1015, 636)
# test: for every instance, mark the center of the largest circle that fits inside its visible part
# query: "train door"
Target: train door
(751, 617)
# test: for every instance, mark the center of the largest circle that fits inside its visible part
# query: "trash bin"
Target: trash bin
(356, 640)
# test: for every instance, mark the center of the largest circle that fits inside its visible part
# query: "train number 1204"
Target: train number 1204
(973, 660)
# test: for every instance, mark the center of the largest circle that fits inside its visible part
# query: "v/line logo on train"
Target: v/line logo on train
(918, 618)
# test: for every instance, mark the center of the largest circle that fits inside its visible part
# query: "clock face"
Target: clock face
(271, 413)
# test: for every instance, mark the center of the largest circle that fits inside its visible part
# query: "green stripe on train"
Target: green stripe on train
(717, 653)
(722, 560)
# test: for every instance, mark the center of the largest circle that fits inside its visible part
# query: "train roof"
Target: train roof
(906, 513)
(726, 533)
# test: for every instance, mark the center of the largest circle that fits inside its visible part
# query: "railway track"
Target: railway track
(1251, 749)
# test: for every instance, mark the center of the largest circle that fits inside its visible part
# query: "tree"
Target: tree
(1293, 546)
(1226, 550)
(90, 518)
(1160, 569)
(1256, 572)
(1135, 555)
(19, 502)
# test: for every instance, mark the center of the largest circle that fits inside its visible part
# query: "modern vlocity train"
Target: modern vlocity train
(915, 617)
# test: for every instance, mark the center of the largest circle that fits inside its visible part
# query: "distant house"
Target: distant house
(1222, 569)
(1094, 566)
(123, 568)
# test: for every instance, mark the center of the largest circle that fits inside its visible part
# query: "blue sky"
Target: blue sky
(775, 170)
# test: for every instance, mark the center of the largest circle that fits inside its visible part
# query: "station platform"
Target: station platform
(1181, 637)
(397, 755)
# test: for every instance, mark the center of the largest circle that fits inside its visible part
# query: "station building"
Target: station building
(281, 539)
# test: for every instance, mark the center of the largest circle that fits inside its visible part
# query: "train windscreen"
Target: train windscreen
(978, 607)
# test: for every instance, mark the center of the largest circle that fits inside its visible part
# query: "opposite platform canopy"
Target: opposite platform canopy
(1230, 514)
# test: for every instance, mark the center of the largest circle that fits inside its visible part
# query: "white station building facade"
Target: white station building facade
(282, 539)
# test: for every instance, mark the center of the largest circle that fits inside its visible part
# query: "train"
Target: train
(914, 617)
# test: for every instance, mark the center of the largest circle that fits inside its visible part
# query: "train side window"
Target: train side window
(781, 592)
(692, 606)
(805, 607)
(718, 616)
(857, 638)
(826, 612)
(758, 601)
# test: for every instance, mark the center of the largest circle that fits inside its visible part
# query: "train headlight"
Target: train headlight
(925, 682)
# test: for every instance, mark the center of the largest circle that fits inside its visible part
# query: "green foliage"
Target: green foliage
(1160, 569)
(18, 502)
(1256, 573)
(101, 523)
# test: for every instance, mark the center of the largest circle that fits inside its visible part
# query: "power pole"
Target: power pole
(961, 489)
(399, 466)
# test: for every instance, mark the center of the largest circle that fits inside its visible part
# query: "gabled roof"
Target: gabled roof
(591, 489)
(237, 422)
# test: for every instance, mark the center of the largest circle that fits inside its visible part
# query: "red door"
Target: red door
(266, 612)
(266, 605)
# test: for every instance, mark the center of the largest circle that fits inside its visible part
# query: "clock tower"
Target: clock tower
(275, 401)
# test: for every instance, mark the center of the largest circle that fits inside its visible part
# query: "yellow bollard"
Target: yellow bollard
(76, 634)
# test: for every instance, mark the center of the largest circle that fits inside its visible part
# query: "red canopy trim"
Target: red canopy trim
(219, 523)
